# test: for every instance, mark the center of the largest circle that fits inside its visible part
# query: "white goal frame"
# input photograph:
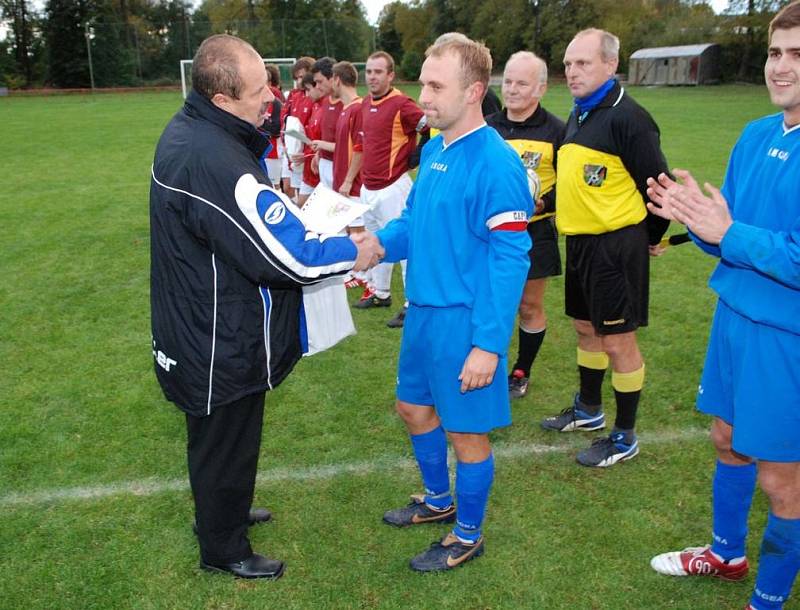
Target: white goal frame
(186, 64)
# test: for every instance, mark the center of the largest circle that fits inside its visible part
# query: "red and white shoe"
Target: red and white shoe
(353, 282)
(699, 561)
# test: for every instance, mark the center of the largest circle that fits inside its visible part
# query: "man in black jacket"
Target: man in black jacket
(612, 145)
(536, 135)
(229, 257)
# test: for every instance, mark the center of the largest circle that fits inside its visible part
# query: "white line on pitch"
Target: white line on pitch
(150, 486)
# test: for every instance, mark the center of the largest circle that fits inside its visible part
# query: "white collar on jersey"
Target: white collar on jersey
(787, 130)
(462, 136)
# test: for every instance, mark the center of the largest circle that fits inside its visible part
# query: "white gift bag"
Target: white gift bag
(328, 318)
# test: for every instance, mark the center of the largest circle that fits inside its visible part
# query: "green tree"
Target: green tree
(68, 65)
(20, 19)
(388, 38)
(114, 62)
(560, 20)
(502, 25)
(444, 19)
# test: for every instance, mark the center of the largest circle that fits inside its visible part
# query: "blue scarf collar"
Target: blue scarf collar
(584, 105)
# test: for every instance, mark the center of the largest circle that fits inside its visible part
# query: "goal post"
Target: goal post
(186, 70)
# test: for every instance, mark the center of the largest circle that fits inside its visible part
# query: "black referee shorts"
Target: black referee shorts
(608, 279)
(544, 254)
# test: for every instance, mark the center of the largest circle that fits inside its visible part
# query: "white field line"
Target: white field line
(150, 486)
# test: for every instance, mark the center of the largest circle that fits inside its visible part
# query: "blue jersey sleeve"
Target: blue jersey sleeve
(775, 254)
(503, 220)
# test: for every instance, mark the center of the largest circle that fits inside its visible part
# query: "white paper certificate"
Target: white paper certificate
(326, 211)
(299, 135)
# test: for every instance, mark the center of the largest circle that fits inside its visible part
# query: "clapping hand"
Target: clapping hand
(707, 216)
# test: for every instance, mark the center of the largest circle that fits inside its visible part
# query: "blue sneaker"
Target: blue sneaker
(446, 554)
(417, 512)
(609, 450)
(575, 418)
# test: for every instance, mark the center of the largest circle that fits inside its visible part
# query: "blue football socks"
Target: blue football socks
(733, 489)
(430, 449)
(473, 482)
(778, 564)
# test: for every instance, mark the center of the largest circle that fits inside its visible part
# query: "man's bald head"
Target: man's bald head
(530, 62)
(216, 67)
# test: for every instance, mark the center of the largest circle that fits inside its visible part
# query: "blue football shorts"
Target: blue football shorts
(436, 342)
(751, 380)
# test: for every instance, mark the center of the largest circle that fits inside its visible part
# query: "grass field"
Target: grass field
(93, 495)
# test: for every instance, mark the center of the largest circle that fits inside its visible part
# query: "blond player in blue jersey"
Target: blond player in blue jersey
(464, 235)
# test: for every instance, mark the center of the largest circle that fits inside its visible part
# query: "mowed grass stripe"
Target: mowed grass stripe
(148, 487)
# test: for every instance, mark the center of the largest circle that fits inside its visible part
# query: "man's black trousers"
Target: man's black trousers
(223, 458)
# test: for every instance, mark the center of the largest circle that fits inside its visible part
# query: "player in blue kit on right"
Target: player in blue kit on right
(751, 378)
(464, 234)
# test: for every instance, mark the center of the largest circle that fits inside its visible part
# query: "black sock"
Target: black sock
(627, 404)
(529, 344)
(591, 387)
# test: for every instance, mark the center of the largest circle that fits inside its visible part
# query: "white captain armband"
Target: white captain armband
(508, 221)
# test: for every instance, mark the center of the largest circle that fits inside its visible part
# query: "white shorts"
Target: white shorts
(385, 204)
(297, 175)
(306, 188)
(356, 222)
(326, 172)
(274, 171)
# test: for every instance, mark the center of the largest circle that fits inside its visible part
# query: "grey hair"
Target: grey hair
(609, 44)
(540, 63)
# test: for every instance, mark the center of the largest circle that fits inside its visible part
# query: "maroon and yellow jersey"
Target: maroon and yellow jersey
(330, 115)
(388, 136)
(347, 131)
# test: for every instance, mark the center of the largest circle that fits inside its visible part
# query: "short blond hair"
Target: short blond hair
(474, 57)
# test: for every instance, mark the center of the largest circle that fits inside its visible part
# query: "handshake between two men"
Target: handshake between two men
(370, 250)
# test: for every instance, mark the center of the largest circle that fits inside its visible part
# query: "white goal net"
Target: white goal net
(284, 65)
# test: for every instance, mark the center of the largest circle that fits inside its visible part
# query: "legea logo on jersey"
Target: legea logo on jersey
(439, 167)
(275, 213)
(594, 175)
(777, 153)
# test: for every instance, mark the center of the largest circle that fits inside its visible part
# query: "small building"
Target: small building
(694, 64)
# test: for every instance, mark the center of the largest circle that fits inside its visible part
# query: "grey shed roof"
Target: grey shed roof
(688, 50)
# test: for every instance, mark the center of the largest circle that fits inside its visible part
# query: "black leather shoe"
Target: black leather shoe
(256, 566)
(259, 515)
(256, 515)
